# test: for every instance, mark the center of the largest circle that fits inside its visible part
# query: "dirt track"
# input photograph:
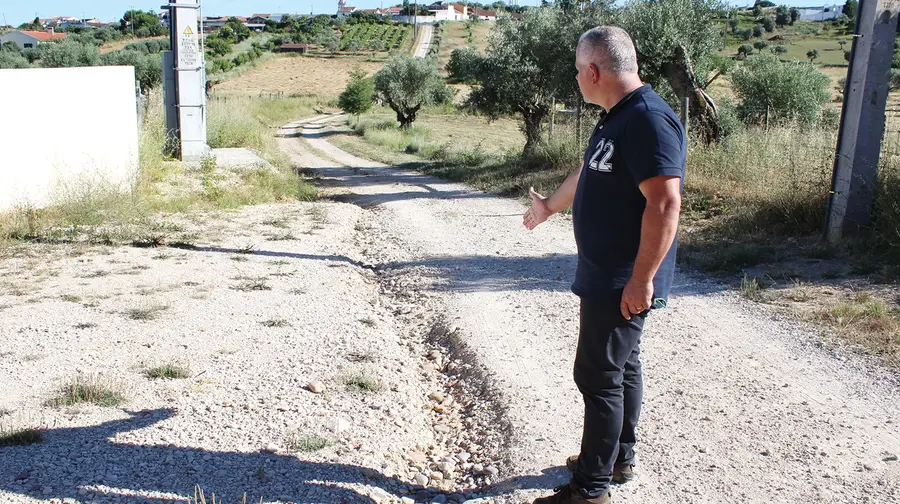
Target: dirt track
(740, 405)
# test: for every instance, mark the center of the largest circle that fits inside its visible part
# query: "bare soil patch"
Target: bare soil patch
(324, 77)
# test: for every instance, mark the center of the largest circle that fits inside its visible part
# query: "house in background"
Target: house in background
(27, 39)
(59, 21)
(343, 9)
(450, 12)
(823, 13)
(484, 15)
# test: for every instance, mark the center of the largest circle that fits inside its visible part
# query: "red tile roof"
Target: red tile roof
(44, 36)
(485, 13)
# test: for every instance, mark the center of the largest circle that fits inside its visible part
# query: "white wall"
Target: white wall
(64, 131)
(415, 19)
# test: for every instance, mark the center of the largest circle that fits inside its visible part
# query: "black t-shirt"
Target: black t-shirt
(640, 137)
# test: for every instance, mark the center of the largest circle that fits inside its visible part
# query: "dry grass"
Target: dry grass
(98, 216)
(867, 322)
(145, 312)
(296, 442)
(362, 383)
(456, 35)
(19, 436)
(88, 389)
(321, 77)
(252, 284)
(170, 371)
(120, 44)
(278, 323)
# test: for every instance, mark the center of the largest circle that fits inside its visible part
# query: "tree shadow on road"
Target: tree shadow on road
(86, 463)
(88, 459)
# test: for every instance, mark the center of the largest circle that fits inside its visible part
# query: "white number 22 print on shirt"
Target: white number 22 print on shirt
(606, 148)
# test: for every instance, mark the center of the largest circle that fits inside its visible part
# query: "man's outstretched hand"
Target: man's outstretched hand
(539, 211)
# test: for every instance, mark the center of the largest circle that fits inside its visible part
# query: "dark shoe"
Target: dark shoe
(621, 474)
(568, 494)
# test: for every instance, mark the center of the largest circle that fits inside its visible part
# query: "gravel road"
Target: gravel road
(405, 340)
(741, 405)
(424, 41)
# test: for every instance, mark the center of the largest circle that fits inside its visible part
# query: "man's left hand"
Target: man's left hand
(636, 298)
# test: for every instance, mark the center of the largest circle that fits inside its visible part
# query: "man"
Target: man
(625, 199)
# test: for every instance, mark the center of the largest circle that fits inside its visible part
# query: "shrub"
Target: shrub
(153, 46)
(147, 67)
(359, 95)
(782, 16)
(746, 34)
(353, 45)
(13, 60)
(757, 31)
(68, 54)
(786, 91)
(463, 64)
(768, 24)
(812, 54)
(217, 46)
(779, 49)
(745, 50)
(759, 45)
(728, 119)
(11, 47)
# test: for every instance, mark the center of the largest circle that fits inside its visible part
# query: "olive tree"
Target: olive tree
(9, 59)
(407, 84)
(68, 54)
(675, 38)
(768, 88)
(531, 62)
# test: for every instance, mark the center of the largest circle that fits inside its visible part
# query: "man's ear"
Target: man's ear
(595, 73)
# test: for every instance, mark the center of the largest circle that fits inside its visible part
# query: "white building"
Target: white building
(26, 39)
(823, 13)
(450, 12)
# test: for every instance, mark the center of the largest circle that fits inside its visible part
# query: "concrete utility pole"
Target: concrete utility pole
(862, 118)
(184, 80)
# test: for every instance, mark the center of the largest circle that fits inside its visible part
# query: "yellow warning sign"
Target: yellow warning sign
(188, 31)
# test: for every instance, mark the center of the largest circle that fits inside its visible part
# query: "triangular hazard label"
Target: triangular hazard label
(188, 31)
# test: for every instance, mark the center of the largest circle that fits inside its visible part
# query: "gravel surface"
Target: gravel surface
(418, 332)
(269, 304)
(424, 42)
(741, 404)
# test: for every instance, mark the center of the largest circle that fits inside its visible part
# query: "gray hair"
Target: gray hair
(610, 48)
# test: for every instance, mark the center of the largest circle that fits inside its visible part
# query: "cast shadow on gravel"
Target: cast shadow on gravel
(492, 273)
(52, 469)
(470, 273)
(86, 459)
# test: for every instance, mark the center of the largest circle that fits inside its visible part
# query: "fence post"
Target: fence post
(578, 122)
(686, 113)
(862, 119)
(552, 116)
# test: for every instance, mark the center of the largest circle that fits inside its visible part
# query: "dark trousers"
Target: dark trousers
(608, 374)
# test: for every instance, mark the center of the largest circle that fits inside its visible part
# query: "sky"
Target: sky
(16, 12)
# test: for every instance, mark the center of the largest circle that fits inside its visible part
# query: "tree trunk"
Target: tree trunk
(533, 120)
(681, 77)
(408, 118)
